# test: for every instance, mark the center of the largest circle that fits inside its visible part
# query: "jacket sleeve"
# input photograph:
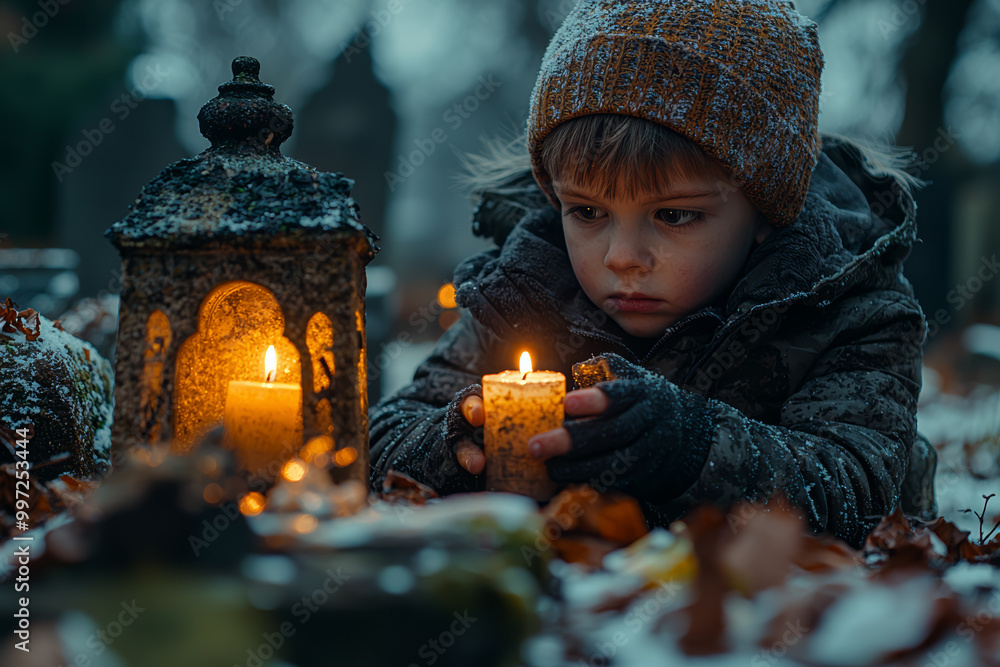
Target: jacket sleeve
(842, 447)
(416, 429)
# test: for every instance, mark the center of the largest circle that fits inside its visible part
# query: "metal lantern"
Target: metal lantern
(232, 257)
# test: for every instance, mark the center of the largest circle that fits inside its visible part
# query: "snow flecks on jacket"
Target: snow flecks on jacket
(812, 365)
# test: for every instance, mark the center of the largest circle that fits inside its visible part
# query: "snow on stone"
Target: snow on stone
(399, 522)
(22, 397)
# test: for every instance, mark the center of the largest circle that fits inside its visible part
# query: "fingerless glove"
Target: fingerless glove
(652, 440)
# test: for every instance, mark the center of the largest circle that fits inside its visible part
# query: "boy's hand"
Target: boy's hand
(648, 434)
(470, 456)
(585, 402)
(578, 403)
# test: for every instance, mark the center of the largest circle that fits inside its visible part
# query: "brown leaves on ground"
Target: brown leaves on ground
(399, 486)
(584, 525)
(896, 543)
(583, 549)
(710, 535)
(25, 321)
(751, 547)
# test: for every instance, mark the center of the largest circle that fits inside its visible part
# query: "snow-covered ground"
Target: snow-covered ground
(845, 616)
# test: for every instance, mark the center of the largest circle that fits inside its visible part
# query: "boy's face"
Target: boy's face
(680, 249)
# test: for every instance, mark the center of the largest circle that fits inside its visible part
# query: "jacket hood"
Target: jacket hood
(854, 228)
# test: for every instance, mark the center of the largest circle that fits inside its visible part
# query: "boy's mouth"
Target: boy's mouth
(634, 302)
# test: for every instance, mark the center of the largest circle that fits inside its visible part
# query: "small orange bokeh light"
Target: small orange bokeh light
(316, 446)
(305, 523)
(446, 296)
(294, 470)
(213, 493)
(252, 503)
(345, 457)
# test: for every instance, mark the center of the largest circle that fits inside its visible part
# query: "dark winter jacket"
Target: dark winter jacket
(806, 376)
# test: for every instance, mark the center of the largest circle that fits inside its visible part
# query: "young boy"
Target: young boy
(720, 280)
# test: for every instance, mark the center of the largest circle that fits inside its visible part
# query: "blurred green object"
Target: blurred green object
(153, 616)
(442, 584)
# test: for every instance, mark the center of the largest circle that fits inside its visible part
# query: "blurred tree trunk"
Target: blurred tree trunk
(349, 126)
(977, 245)
(47, 73)
(926, 63)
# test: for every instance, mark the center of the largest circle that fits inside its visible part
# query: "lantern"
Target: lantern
(226, 256)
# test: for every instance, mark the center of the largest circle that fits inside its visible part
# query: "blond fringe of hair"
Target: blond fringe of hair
(631, 148)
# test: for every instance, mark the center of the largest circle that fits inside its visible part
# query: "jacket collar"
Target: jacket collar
(853, 224)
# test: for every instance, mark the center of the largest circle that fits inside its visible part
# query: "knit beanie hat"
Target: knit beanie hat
(738, 78)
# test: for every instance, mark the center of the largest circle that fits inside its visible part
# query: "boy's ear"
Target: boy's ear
(764, 228)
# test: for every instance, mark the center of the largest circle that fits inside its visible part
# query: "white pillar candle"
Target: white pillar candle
(518, 405)
(263, 420)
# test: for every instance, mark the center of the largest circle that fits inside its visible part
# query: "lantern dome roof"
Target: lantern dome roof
(242, 192)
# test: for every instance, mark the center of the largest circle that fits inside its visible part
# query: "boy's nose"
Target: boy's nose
(626, 254)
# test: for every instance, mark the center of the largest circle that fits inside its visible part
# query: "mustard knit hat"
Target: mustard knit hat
(738, 78)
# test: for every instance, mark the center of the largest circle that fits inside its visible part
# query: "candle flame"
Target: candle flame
(525, 364)
(270, 364)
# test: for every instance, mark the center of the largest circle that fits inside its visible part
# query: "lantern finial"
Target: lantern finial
(246, 66)
(244, 114)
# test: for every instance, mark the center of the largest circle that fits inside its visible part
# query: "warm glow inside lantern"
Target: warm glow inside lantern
(263, 419)
(229, 255)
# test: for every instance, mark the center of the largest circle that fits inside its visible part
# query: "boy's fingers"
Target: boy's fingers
(472, 410)
(551, 443)
(590, 401)
(470, 457)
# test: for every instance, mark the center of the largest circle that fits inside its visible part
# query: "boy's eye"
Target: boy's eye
(679, 218)
(588, 213)
(671, 216)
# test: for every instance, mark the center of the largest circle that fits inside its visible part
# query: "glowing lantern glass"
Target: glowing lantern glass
(231, 253)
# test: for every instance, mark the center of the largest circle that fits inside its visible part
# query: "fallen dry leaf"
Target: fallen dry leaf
(587, 524)
(583, 549)
(400, 486)
(898, 543)
(825, 554)
(26, 321)
(611, 515)
(709, 532)
(765, 547)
